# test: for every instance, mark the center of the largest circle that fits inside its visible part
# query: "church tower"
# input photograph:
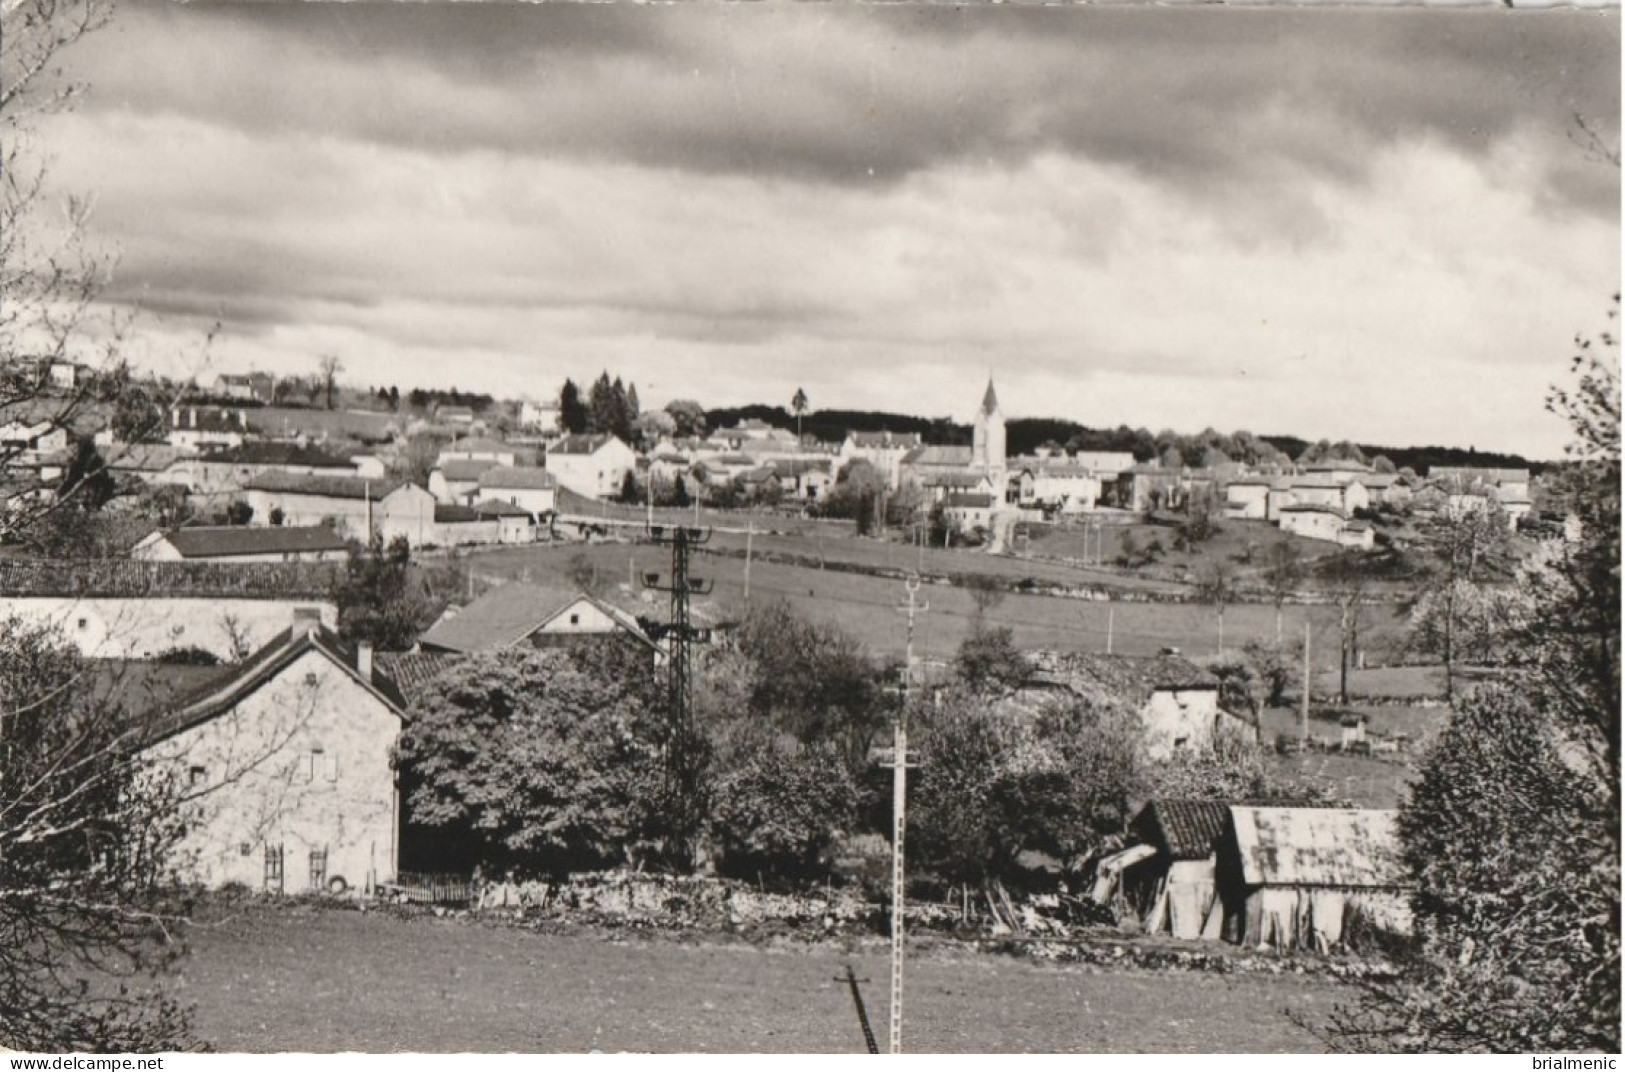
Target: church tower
(987, 450)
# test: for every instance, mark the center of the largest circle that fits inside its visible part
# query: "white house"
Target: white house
(353, 506)
(1247, 498)
(200, 427)
(536, 491)
(1314, 520)
(125, 609)
(590, 465)
(241, 543)
(482, 449)
(456, 481)
(517, 613)
(288, 761)
(883, 450)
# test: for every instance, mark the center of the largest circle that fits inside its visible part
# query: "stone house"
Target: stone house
(286, 761)
(1247, 499)
(1178, 702)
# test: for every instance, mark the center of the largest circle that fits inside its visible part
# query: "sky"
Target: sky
(1364, 224)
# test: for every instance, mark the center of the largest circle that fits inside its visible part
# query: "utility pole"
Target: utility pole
(900, 765)
(1111, 622)
(1304, 724)
(750, 535)
(682, 753)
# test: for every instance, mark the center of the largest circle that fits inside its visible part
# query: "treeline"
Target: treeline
(1207, 447)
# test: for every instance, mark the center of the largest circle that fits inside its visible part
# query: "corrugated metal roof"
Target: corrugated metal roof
(1346, 847)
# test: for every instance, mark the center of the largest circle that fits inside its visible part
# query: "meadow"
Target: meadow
(865, 605)
(269, 978)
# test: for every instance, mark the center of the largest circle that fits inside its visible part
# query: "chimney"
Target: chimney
(363, 659)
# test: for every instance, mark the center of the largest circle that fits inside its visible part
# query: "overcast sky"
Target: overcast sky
(1361, 224)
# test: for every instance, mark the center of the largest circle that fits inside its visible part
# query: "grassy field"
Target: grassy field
(863, 606)
(315, 980)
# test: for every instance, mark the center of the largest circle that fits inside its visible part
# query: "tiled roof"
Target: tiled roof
(498, 508)
(1344, 847)
(328, 487)
(1184, 829)
(968, 501)
(476, 445)
(579, 444)
(955, 480)
(414, 669)
(125, 578)
(445, 514)
(518, 479)
(465, 469)
(218, 696)
(938, 456)
(261, 452)
(506, 615)
(1123, 677)
(219, 541)
(891, 440)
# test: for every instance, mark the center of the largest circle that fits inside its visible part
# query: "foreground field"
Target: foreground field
(313, 980)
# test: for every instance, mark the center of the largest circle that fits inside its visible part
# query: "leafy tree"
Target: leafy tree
(137, 417)
(809, 680)
(996, 782)
(1467, 548)
(653, 426)
(1511, 834)
(573, 414)
(779, 809)
(798, 406)
(989, 661)
(1272, 669)
(986, 592)
(83, 836)
(689, 416)
(545, 760)
(239, 512)
(87, 482)
(376, 599)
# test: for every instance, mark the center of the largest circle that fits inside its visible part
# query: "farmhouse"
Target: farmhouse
(1177, 701)
(199, 427)
(535, 491)
(123, 609)
(245, 386)
(354, 506)
(1247, 499)
(518, 613)
(315, 543)
(481, 449)
(288, 759)
(456, 481)
(590, 465)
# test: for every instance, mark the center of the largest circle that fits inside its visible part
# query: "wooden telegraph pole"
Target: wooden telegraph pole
(899, 766)
(1303, 727)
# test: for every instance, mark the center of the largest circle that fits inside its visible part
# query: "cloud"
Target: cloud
(1169, 217)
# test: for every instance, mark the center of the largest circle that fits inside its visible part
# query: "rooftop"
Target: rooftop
(223, 541)
(328, 487)
(1184, 829)
(125, 578)
(1346, 847)
(508, 614)
(518, 478)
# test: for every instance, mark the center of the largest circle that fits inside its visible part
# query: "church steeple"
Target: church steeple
(990, 400)
(987, 440)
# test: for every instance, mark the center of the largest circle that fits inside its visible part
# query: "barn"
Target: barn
(1293, 878)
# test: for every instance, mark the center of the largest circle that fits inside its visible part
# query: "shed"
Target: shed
(1176, 889)
(1292, 878)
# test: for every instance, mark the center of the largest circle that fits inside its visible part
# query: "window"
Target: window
(313, 762)
(575, 619)
(84, 623)
(197, 775)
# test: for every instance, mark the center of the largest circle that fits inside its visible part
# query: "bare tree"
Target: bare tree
(1346, 577)
(1216, 585)
(1283, 572)
(329, 368)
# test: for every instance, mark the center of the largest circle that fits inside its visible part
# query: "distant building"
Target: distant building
(201, 427)
(883, 450)
(456, 481)
(249, 386)
(241, 543)
(454, 415)
(353, 506)
(590, 465)
(519, 614)
(533, 490)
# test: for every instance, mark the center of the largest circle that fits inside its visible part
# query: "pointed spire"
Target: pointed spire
(990, 401)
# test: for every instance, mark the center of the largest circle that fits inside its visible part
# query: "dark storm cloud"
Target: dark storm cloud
(1213, 101)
